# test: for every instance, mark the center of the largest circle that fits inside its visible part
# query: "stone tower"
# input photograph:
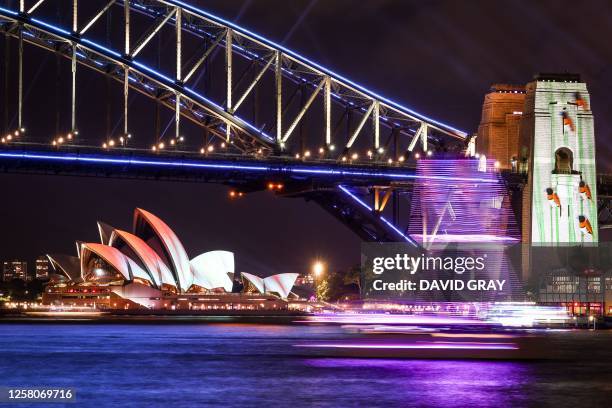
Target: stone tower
(557, 144)
(498, 131)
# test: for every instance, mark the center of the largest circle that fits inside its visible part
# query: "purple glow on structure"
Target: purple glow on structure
(468, 238)
(417, 346)
(461, 211)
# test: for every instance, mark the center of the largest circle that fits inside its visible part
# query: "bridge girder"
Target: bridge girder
(174, 90)
(177, 91)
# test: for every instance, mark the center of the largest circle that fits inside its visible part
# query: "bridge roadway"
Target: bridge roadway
(251, 172)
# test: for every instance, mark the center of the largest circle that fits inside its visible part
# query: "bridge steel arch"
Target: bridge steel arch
(140, 77)
(174, 90)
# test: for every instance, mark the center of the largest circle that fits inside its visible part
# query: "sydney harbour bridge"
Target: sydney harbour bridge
(221, 104)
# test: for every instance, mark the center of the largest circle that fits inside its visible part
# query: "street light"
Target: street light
(318, 268)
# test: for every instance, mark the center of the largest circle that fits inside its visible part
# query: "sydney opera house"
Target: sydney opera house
(149, 270)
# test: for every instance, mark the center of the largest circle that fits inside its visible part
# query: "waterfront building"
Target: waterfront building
(149, 269)
(42, 268)
(15, 269)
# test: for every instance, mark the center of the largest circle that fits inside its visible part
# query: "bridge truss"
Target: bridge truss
(348, 118)
(258, 101)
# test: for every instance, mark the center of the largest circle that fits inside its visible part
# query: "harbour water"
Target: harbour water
(230, 364)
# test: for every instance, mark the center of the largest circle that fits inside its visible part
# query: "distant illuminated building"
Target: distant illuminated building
(15, 270)
(305, 280)
(42, 268)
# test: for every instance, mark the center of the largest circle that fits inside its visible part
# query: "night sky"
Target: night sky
(437, 57)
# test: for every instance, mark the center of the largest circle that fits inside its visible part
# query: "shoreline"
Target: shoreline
(150, 319)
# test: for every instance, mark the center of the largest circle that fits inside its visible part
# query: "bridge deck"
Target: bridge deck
(179, 166)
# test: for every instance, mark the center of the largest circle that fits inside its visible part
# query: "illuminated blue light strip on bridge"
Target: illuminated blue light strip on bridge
(383, 219)
(281, 167)
(7, 11)
(51, 27)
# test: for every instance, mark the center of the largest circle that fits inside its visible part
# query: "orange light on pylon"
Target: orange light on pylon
(275, 186)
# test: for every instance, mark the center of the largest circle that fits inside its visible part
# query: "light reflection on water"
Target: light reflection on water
(250, 365)
(439, 382)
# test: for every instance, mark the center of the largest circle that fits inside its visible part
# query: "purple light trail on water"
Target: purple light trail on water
(353, 318)
(417, 346)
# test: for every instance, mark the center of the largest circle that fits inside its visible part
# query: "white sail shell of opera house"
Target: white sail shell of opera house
(159, 273)
(256, 281)
(67, 266)
(166, 244)
(125, 268)
(210, 270)
(281, 283)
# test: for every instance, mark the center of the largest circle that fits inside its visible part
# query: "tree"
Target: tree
(323, 291)
(353, 277)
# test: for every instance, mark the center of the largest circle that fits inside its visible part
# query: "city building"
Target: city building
(149, 269)
(42, 268)
(15, 269)
(305, 280)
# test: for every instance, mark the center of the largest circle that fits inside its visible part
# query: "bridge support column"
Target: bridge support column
(75, 16)
(376, 123)
(20, 81)
(73, 70)
(7, 57)
(229, 35)
(126, 71)
(177, 108)
(73, 90)
(126, 88)
(278, 80)
(327, 108)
